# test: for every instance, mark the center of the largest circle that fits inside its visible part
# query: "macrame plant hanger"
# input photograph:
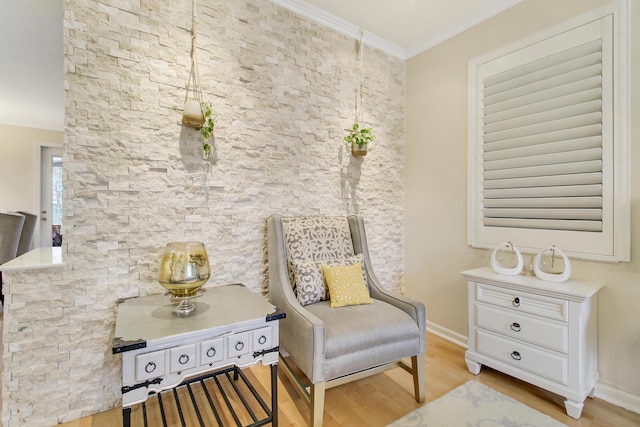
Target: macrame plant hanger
(359, 135)
(359, 102)
(193, 115)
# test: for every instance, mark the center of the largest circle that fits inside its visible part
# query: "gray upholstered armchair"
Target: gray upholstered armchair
(332, 346)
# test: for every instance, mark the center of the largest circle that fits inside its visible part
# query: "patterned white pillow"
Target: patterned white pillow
(317, 238)
(310, 284)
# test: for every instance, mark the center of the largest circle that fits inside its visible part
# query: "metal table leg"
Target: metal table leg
(274, 395)
(126, 417)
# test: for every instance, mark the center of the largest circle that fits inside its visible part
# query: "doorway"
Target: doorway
(51, 202)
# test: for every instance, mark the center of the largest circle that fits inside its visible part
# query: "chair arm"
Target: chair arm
(413, 308)
(301, 332)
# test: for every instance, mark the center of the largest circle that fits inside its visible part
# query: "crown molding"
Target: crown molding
(342, 26)
(351, 30)
(460, 26)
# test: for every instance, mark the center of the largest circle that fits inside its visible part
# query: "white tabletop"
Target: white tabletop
(571, 288)
(153, 317)
(35, 259)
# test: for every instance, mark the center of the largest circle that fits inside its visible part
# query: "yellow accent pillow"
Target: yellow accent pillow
(346, 285)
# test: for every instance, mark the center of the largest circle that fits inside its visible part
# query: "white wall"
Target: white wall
(436, 192)
(18, 166)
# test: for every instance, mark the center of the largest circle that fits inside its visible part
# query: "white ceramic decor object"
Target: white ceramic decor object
(552, 265)
(506, 259)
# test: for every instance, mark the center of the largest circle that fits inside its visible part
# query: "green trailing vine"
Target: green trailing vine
(207, 127)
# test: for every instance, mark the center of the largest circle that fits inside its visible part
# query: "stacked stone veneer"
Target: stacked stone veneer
(284, 90)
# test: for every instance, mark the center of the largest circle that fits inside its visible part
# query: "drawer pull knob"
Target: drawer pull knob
(183, 359)
(150, 367)
(211, 352)
(515, 327)
(239, 345)
(262, 339)
(516, 355)
(516, 302)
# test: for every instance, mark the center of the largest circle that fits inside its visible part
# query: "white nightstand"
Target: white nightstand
(540, 332)
(231, 328)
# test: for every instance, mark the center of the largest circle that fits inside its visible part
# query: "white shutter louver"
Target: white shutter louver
(549, 140)
(542, 150)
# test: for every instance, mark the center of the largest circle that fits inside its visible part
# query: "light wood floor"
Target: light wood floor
(383, 398)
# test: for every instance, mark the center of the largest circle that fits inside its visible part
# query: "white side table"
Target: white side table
(541, 332)
(231, 328)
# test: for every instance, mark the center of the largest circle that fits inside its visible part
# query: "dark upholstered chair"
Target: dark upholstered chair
(10, 228)
(332, 346)
(11, 224)
(26, 236)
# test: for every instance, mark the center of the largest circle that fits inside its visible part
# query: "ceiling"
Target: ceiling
(402, 28)
(31, 64)
(31, 52)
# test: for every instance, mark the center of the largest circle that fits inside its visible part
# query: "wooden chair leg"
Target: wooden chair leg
(317, 404)
(417, 366)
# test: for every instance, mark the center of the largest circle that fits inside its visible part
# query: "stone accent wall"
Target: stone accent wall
(284, 91)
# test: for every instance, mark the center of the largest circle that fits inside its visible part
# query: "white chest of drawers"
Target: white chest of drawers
(540, 332)
(231, 326)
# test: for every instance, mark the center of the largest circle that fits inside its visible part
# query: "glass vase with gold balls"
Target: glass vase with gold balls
(184, 269)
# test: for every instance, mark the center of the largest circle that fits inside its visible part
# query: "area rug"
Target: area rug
(474, 404)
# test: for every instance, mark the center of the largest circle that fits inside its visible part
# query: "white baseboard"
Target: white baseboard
(605, 392)
(447, 334)
(617, 397)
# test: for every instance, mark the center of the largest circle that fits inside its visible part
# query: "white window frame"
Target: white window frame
(613, 243)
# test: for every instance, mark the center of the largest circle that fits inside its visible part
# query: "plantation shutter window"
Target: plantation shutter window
(544, 152)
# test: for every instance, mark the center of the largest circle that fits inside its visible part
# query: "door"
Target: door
(50, 196)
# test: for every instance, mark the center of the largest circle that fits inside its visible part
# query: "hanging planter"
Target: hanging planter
(359, 151)
(197, 113)
(192, 114)
(359, 136)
